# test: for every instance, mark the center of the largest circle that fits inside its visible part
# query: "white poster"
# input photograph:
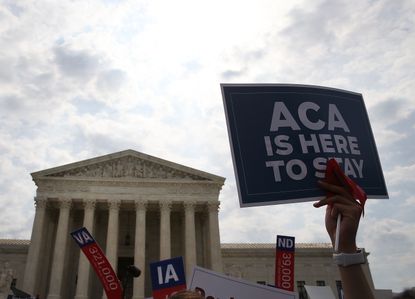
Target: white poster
(323, 292)
(215, 286)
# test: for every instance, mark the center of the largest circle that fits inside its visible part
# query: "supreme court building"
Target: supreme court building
(140, 209)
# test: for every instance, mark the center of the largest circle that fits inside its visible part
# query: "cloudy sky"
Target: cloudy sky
(79, 79)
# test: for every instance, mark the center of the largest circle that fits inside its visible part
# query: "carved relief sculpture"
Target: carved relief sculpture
(127, 167)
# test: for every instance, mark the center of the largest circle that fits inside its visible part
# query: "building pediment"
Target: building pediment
(127, 164)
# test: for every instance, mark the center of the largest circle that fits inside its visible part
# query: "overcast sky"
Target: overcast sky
(80, 79)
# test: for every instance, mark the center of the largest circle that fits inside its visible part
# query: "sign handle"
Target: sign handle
(336, 242)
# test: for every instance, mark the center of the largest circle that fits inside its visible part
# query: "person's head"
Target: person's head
(186, 295)
(407, 294)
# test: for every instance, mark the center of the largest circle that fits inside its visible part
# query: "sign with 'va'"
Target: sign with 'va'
(167, 277)
(282, 135)
(99, 262)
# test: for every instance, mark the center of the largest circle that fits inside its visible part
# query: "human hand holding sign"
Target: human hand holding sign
(345, 199)
(344, 206)
(341, 202)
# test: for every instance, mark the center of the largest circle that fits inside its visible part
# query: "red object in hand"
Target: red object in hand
(335, 176)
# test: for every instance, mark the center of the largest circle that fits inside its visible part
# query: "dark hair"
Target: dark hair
(407, 294)
(186, 295)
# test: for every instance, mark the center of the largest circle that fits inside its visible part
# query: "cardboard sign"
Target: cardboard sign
(167, 277)
(213, 285)
(317, 292)
(99, 262)
(282, 135)
(284, 263)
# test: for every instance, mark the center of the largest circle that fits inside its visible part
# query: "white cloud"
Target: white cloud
(76, 63)
(401, 175)
(388, 241)
(85, 78)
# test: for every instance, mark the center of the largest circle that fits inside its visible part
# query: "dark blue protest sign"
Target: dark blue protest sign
(285, 243)
(82, 237)
(282, 135)
(167, 277)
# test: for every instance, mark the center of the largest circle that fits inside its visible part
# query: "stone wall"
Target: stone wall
(12, 263)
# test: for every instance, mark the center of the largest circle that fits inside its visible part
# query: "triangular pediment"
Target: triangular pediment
(127, 164)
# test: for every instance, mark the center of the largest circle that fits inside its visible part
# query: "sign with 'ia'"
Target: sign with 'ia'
(282, 135)
(167, 277)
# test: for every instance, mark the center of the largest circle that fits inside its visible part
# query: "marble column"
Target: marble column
(140, 248)
(84, 266)
(33, 256)
(112, 233)
(59, 251)
(165, 234)
(190, 237)
(111, 248)
(214, 238)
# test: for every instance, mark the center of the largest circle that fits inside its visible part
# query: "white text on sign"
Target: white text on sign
(170, 274)
(339, 142)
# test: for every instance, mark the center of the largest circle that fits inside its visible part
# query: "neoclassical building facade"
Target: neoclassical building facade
(140, 209)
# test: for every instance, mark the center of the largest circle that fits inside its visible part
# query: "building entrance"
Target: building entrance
(123, 263)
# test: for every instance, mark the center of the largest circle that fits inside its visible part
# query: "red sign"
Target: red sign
(99, 262)
(284, 263)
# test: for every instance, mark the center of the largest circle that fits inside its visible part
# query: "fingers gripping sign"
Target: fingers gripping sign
(334, 175)
(345, 204)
